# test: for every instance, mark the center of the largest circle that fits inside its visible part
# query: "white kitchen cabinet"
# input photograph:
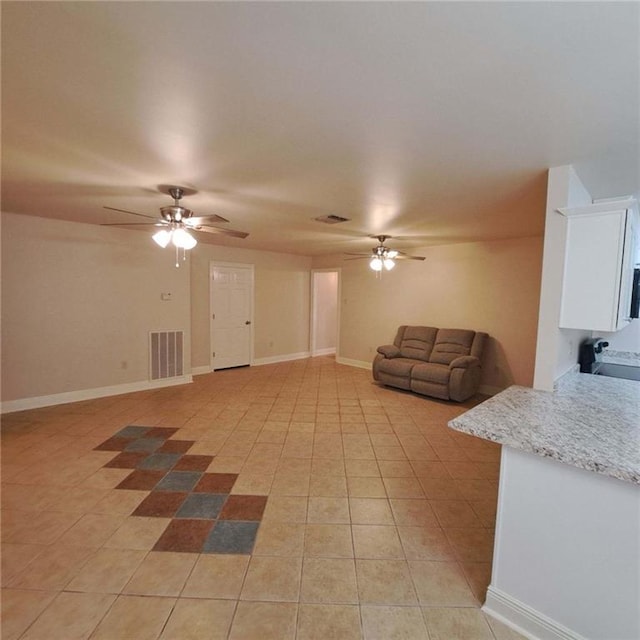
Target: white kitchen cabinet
(599, 262)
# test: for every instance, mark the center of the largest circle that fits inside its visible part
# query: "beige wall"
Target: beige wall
(281, 302)
(486, 286)
(78, 302)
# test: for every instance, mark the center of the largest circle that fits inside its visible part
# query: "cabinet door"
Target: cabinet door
(592, 274)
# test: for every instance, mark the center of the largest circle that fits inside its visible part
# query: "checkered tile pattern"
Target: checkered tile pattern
(205, 518)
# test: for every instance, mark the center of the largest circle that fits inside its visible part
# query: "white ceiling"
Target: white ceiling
(434, 122)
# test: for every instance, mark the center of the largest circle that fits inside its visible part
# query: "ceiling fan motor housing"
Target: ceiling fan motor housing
(175, 213)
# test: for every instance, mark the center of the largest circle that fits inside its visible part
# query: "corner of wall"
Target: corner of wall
(556, 349)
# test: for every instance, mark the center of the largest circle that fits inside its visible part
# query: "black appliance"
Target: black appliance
(635, 294)
(590, 355)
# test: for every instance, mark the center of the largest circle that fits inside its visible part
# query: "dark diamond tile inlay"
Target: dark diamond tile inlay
(141, 479)
(244, 508)
(159, 461)
(144, 444)
(216, 483)
(231, 537)
(160, 432)
(127, 460)
(114, 444)
(179, 481)
(184, 535)
(176, 446)
(131, 432)
(160, 504)
(204, 517)
(193, 463)
(201, 505)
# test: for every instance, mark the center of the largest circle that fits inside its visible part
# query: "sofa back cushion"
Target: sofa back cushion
(450, 344)
(416, 342)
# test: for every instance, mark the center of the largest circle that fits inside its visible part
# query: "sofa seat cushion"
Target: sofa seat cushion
(398, 366)
(431, 372)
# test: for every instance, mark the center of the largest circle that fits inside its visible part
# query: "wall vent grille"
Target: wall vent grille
(331, 219)
(166, 354)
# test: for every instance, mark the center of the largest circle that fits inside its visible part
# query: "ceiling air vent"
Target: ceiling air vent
(331, 219)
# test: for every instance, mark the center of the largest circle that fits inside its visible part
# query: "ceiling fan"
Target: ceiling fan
(382, 256)
(176, 222)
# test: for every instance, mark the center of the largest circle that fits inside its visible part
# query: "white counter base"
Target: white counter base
(567, 552)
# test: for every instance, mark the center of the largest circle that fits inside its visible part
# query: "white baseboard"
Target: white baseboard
(323, 352)
(90, 394)
(525, 620)
(361, 364)
(283, 358)
(198, 371)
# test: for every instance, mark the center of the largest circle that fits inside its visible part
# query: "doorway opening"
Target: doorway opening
(325, 312)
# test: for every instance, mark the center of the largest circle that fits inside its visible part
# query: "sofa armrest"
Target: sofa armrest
(389, 351)
(464, 362)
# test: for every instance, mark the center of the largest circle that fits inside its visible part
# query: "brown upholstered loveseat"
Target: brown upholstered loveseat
(443, 363)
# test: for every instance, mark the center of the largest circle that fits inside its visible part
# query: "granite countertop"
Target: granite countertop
(590, 422)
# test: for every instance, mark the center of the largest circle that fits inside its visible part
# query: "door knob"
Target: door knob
(248, 322)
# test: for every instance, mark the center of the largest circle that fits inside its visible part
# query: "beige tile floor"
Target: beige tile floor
(378, 525)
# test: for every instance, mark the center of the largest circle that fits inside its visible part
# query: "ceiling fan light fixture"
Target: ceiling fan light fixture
(376, 264)
(183, 239)
(162, 238)
(388, 264)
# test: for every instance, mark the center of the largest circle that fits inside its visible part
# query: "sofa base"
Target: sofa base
(394, 381)
(430, 389)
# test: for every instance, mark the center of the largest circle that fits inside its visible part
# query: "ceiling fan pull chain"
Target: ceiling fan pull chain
(177, 258)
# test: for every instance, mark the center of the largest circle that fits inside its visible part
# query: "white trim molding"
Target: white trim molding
(198, 371)
(361, 364)
(283, 358)
(37, 402)
(331, 351)
(526, 621)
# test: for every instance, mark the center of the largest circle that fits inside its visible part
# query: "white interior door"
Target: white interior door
(231, 305)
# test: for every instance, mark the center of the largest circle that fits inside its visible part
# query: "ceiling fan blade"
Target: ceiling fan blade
(360, 255)
(197, 220)
(225, 232)
(404, 256)
(133, 213)
(357, 258)
(133, 224)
